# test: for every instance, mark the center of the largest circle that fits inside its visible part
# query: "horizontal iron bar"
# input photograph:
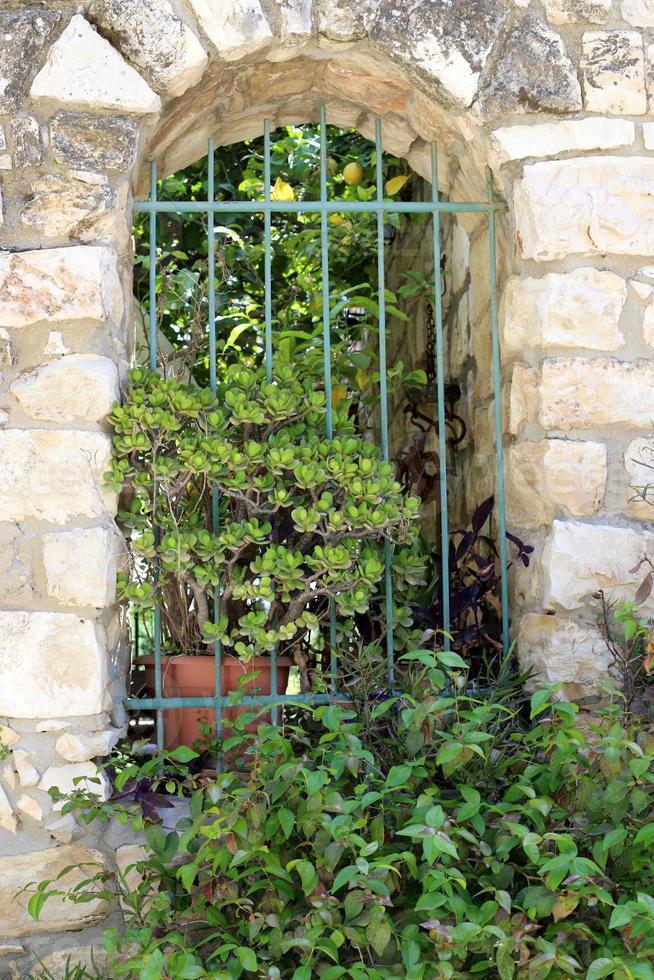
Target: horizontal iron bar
(295, 207)
(251, 700)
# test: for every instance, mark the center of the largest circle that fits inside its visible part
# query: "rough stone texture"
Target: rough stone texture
(237, 28)
(648, 324)
(59, 284)
(8, 819)
(30, 807)
(545, 480)
(5, 158)
(534, 73)
(151, 36)
(572, 11)
(24, 37)
(82, 748)
(447, 43)
(84, 776)
(613, 70)
(581, 393)
(72, 388)
(642, 289)
(26, 139)
(53, 475)
(58, 914)
(54, 964)
(344, 20)
(559, 651)
(580, 559)
(588, 206)
(79, 205)
(15, 570)
(81, 565)
(648, 135)
(639, 13)
(28, 774)
(296, 19)
(8, 737)
(82, 69)
(36, 646)
(639, 467)
(574, 309)
(523, 396)
(97, 143)
(564, 136)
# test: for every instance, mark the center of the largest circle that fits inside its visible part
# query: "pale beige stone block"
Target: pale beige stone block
(82, 776)
(74, 387)
(613, 71)
(523, 396)
(554, 476)
(560, 651)
(83, 747)
(639, 13)
(36, 647)
(570, 11)
(567, 135)
(28, 775)
(81, 566)
(8, 737)
(648, 324)
(639, 467)
(82, 69)
(594, 205)
(237, 28)
(8, 819)
(30, 807)
(579, 392)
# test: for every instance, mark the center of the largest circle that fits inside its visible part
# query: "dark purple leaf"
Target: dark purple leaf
(482, 514)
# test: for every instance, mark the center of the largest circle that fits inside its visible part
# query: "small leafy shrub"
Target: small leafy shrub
(492, 844)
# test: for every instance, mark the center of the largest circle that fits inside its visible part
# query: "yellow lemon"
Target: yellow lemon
(282, 191)
(336, 219)
(352, 173)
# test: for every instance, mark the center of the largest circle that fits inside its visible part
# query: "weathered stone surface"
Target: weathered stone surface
(523, 396)
(554, 476)
(30, 807)
(151, 36)
(643, 290)
(26, 138)
(574, 309)
(397, 137)
(58, 914)
(89, 142)
(28, 774)
(344, 20)
(24, 36)
(5, 157)
(559, 651)
(296, 19)
(36, 646)
(534, 73)
(237, 28)
(8, 820)
(82, 748)
(587, 206)
(379, 94)
(62, 829)
(15, 564)
(579, 559)
(74, 387)
(577, 392)
(639, 466)
(8, 737)
(448, 44)
(81, 565)
(83, 69)
(564, 136)
(613, 70)
(571, 11)
(78, 205)
(639, 13)
(56, 963)
(83, 776)
(648, 135)
(78, 283)
(53, 475)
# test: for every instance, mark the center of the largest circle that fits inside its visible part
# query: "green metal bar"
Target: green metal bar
(499, 422)
(301, 207)
(440, 394)
(250, 700)
(383, 392)
(152, 282)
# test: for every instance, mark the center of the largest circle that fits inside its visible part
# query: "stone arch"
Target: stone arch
(553, 96)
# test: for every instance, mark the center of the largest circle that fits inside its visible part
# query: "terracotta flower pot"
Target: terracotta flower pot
(191, 676)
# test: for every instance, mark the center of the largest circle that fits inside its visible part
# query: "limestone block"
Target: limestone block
(82, 69)
(28, 775)
(8, 737)
(359, 83)
(648, 324)
(30, 807)
(237, 28)
(151, 36)
(639, 466)
(89, 142)
(55, 964)
(447, 43)
(8, 773)
(296, 20)
(54, 284)
(7, 816)
(580, 559)
(523, 396)
(643, 290)
(26, 138)
(564, 136)
(72, 388)
(15, 564)
(58, 914)
(648, 135)
(62, 829)
(559, 651)
(397, 137)
(571, 11)
(38, 675)
(460, 257)
(77, 204)
(555, 476)
(593, 205)
(574, 309)
(613, 71)
(5, 158)
(534, 73)
(81, 566)
(54, 475)
(580, 393)
(25, 35)
(82, 776)
(639, 13)
(83, 747)
(344, 20)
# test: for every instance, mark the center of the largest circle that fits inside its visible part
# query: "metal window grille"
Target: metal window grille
(325, 207)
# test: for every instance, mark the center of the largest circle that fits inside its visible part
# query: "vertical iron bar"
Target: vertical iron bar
(153, 367)
(326, 336)
(499, 422)
(440, 395)
(383, 394)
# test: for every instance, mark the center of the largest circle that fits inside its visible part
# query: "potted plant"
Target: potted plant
(246, 525)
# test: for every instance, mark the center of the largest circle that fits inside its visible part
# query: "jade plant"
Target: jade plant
(245, 522)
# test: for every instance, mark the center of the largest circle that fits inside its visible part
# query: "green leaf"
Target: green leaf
(247, 958)
(286, 821)
(379, 935)
(599, 968)
(343, 876)
(183, 754)
(397, 776)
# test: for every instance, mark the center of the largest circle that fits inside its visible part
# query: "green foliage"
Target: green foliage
(488, 845)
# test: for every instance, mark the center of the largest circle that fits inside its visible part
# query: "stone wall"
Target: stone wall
(554, 94)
